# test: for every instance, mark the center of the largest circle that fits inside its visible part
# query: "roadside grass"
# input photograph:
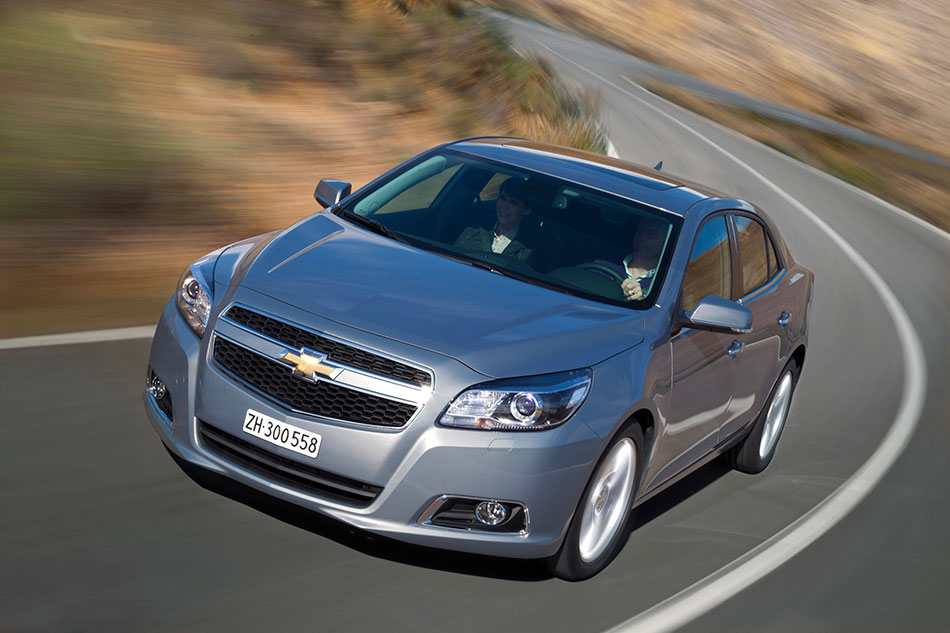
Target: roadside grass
(918, 187)
(135, 138)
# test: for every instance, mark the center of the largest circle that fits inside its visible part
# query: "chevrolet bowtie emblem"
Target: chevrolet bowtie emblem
(308, 366)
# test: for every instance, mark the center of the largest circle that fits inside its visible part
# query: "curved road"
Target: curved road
(102, 531)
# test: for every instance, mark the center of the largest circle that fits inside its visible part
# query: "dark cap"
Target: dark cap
(521, 190)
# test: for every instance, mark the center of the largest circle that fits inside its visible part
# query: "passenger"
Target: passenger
(513, 203)
(639, 267)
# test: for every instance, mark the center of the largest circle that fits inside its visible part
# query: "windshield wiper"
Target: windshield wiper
(477, 263)
(486, 266)
(528, 279)
(372, 225)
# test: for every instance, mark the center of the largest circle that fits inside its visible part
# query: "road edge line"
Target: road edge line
(611, 149)
(71, 338)
(890, 206)
(723, 584)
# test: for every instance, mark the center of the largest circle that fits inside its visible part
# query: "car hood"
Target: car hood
(496, 325)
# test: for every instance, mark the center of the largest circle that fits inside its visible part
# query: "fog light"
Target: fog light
(465, 513)
(156, 388)
(491, 512)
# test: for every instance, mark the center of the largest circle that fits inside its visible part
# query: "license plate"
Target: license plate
(282, 434)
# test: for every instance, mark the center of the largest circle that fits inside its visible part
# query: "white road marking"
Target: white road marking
(936, 230)
(611, 150)
(69, 338)
(723, 584)
(610, 54)
(711, 591)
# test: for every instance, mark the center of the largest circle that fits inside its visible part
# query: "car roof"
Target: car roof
(612, 175)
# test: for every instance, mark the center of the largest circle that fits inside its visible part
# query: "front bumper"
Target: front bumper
(415, 465)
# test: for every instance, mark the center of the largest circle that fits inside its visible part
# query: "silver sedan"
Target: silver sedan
(499, 347)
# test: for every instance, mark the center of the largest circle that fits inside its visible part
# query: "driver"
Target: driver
(639, 267)
(513, 203)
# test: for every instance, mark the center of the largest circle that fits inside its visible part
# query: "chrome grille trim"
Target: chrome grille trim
(426, 384)
(286, 405)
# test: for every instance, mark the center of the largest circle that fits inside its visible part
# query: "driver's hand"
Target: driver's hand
(631, 289)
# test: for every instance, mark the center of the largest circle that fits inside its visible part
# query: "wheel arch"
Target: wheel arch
(799, 357)
(644, 418)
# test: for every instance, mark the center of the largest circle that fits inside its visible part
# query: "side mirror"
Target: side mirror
(330, 192)
(718, 315)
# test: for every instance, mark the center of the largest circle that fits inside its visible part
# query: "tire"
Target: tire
(598, 528)
(756, 451)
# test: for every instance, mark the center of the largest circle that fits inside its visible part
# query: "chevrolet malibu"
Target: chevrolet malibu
(498, 347)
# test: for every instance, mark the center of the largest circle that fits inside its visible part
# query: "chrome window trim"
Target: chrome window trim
(223, 316)
(769, 234)
(752, 296)
(764, 288)
(284, 405)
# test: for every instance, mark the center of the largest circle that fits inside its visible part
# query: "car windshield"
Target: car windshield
(527, 225)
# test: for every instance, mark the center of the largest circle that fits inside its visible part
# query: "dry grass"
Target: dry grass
(878, 65)
(137, 136)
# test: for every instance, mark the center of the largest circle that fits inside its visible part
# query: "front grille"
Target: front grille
(321, 398)
(336, 351)
(286, 471)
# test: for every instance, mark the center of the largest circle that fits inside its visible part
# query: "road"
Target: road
(102, 530)
(643, 70)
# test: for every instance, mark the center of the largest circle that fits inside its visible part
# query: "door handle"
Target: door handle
(783, 319)
(733, 349)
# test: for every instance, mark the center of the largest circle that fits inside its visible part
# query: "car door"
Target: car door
(702, 368)
(759, 287)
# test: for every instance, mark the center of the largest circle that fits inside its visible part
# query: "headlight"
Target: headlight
(520, 404)
(194, 301)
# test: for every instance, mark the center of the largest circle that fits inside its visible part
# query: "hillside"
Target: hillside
(881, 65)
(137, 136)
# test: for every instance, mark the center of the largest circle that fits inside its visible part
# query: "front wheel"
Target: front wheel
(757, 449)
(598, 528)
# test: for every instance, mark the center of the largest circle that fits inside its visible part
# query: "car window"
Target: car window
(490, 190)
(415, 188)
(710, 265)
(753, 253)
(534, 227)
(773, 262)
(421, 194)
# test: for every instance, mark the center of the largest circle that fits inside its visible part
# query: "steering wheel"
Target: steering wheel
(600, 268)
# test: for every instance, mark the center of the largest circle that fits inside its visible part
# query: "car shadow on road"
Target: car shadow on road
(365, 542)
(417, 555)
(677, 493)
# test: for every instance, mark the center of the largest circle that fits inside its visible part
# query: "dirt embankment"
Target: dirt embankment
(880, 65)
(137, 136)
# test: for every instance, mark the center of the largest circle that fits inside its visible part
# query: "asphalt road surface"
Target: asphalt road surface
(102, 531)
